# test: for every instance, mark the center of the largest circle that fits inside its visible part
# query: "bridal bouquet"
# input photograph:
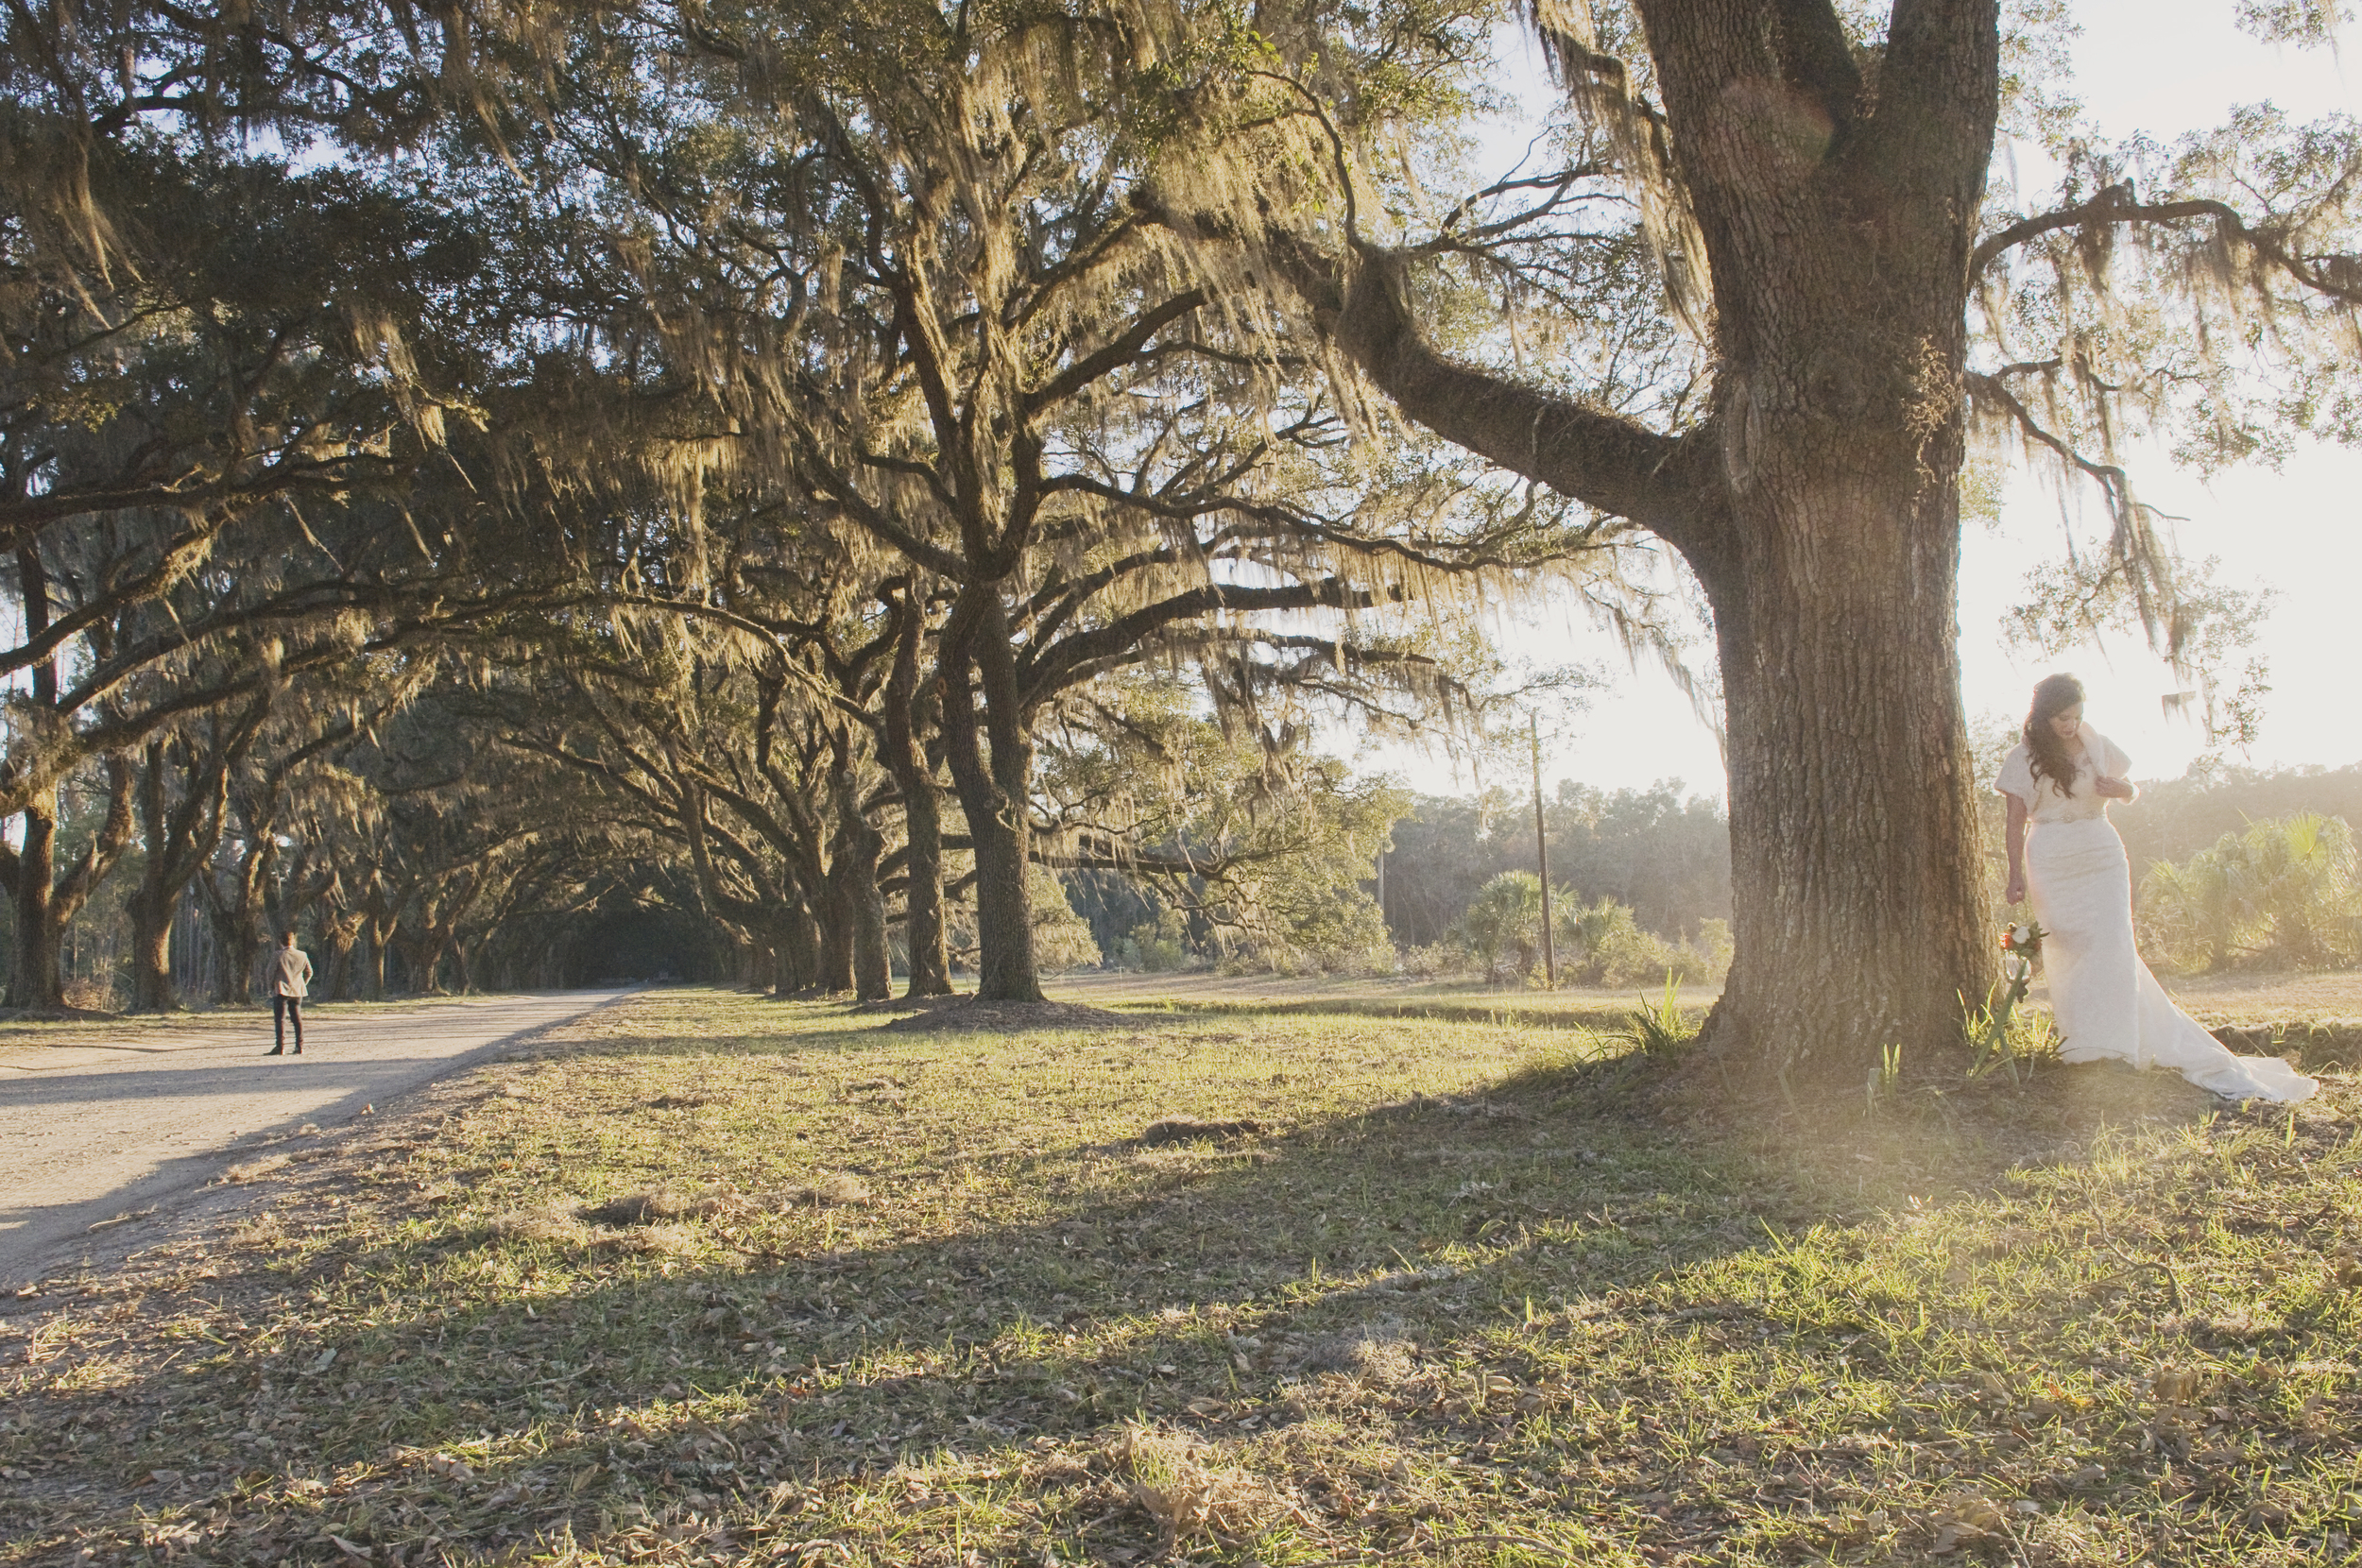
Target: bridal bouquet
(2023, 941)
(1989, 1026)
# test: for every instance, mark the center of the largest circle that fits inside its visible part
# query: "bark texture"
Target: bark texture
(44, 902)
(36, 982)
(908, 713)
(1817, 505)
(993, 792)
(853, 869)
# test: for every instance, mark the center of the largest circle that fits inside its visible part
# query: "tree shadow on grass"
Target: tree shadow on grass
(1357, 1282)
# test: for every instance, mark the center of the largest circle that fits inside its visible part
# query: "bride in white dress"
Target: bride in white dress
(2106, 1002)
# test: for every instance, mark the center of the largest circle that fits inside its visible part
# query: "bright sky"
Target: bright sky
(2165, 67)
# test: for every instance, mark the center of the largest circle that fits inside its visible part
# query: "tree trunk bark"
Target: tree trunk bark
(993, 795)
(246, 957)
(835, 919)
(1817, 505)
(381, 935)
(907, 711)
(151, 951)
(339, 964)
(151, 902)
(1840, 267)
(37, 983)
(853, 867)
(1856, 870)
(798, 948)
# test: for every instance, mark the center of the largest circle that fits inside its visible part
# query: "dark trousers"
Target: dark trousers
(284, 1011)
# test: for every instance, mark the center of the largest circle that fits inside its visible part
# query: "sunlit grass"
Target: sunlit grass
(712, 1278)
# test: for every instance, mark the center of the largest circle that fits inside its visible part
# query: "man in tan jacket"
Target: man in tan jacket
(290, 977)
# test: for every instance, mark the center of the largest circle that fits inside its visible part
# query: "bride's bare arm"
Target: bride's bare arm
(2118, 789)
(2015, 839)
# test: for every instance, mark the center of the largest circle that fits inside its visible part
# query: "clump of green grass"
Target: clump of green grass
(1466, 1294)
(1659, 1027)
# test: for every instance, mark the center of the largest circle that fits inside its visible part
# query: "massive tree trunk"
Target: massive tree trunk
(243, 916)
(239, 975)
(151, 901)
(834, 913)
(907, 711)
(36, 982)
(853, 870)
(1856, 875)
(798, 946)
(1817, 505)
(151, 955)
(46, 904)
(338, 937)
(993, 793)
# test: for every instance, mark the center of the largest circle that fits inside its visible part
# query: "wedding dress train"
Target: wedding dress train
(2106, 1002)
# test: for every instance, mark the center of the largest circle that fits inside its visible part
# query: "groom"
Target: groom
(290, 978)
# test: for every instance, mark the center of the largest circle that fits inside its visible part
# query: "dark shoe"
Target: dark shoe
(277, 1050)
(298, 1051)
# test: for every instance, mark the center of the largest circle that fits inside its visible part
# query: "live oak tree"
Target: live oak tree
(1058, 325)
(203, 342)
(904, 248)
(236, 313)
(265, 873)
(1814, 183)
(181, 800)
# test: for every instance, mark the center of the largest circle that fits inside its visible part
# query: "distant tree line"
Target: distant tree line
(1663, 854)
(2233, 867)
(2176, 818)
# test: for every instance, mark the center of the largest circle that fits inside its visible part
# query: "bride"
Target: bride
(2107, 1003)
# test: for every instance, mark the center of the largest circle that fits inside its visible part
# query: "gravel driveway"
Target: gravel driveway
(97, 1129)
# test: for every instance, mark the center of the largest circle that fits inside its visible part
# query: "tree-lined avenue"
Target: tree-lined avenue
(89, 1131)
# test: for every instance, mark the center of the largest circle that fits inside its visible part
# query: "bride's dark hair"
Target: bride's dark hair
(2053, 696)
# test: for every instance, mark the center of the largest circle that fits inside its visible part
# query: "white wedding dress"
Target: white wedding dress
(2106, 1002)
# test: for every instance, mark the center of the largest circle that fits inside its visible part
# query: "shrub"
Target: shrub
(1713, 943)
(1342, 932)
(1599, 944)
(1436, 961)
(2281, 893)
(1503, 927)
(1158, 945)
(1608, 948)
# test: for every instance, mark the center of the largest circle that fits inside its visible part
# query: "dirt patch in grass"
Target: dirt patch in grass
(1476, 1294)
(1197, 1129)
(971, 1012)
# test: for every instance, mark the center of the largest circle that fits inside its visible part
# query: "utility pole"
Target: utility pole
(1542, 858)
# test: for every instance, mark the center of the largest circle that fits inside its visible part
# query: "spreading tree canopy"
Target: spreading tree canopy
(1843, 303)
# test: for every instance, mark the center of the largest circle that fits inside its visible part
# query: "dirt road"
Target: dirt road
(104, 1128)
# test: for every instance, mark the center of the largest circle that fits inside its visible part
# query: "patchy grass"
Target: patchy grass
(712, 1279)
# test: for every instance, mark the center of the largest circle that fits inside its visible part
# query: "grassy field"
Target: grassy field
(706, 1278)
